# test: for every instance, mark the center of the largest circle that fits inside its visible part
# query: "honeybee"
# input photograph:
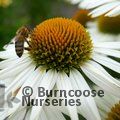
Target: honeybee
(21, 37)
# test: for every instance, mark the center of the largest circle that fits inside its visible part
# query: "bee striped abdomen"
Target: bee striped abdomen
(19, 48)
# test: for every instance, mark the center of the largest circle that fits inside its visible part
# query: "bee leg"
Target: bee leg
(28, 43)
(27, 48)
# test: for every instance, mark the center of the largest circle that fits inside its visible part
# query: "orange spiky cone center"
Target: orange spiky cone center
(60, 44)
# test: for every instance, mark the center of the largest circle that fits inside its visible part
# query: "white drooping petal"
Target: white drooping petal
(8, 46)
(28, 112)
(114, 53)
(115, 12)
(3, 114)
(20, 113)
(88, 107)
(53, 113)
(12, 61)
(110, 45)
(63, 83)
(42, 115)
(7, 63)
(94, 3)
(61, 107)
(8, 53)
(108, 62)
(105, 72)
(47, 83)
(19, 80)
(108, 7)
(99, 78)
(103, 9)
(14, 69)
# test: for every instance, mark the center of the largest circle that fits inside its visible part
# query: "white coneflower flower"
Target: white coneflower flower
(109, 107)
(62, 50)
(108, 7)
(105, 28)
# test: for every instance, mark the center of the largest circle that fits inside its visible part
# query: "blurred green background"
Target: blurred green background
(29, 12)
